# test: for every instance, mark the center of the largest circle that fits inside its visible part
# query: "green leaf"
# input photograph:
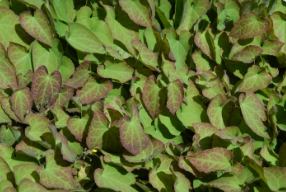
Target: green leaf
(24, 171)
(275, 177)
(269, 156)
(10, 28)
(205, 42)
(216, 159)
(181, 182)
(65, 95)
(279, 24)
(27, 185)
(175, 96)
(34, 3)
(219, 111)
(31, 148)
(196, 9)
(7, 70)
(201, 61)
(51, 57)
(56, 173)
(61, 10)
(118, 70)
(37, 26)
(255, 79)
(6, 173)
(7, 136)
(163, 18)
(6, 185)
(138, 11)
(160, 180)
(61, 116)
(77, 126)
(7, 106)
(80, 76)
(82, 39)
(101, 135)
(253, 113)
(248, 26)
(38, 126)
(20, 58)
(271, 47)
(248, 54)
(22, 102)
(148, 57)
(114, 177)
(66, 68)
(94, 90)
(45, 87)
(132, 135)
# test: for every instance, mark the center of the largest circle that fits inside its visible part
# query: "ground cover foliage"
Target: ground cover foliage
(142, 95)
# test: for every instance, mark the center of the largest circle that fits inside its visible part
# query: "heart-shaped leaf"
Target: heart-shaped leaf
(22, 102)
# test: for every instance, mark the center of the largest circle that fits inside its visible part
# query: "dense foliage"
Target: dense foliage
(142, 95)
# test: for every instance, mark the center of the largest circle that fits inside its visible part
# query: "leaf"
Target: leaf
(28, 185)
(56, 173)
(51, 57)
(102, 136)
(65, 95)
(61, 10)
(160, 180)
(132, 135)
(279, 24)
(61, 116)
(7, 70)
(38, 126)
(37, 25)
(20, 58)
(248, 54)
(253, 113)
(7, 136)
(269, 156)
(77, 126)
(138, 11)
(205, 42)
(175, 96)
(275, 177)
(24, 172)
(148, 57)
(153, 97)
(7, 106)
(282, 160)
(10, 28)
(196, 9)
(30, 148)
(22, 102)
(94, 90)
(66, 69)
(181, 183)
(45, 87)
(255, 79)
(6, 173)
(114, 177)
(24, 80)
(119, 71)
(82, 39)
(215, 159)
(219, 111)
(80, 76)
(201, 61)
(271, 47)
(248, 26)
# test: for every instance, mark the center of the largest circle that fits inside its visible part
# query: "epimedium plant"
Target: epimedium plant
(142, 95)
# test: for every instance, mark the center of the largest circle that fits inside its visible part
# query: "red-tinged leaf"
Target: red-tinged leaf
(77, 126)
(83, 39)
(46, 87)
(205, 42)
(6, 173)
(275, 177)
(248, 54)
(211, 92)
(248, 26)
(175, 96)
(282, 155)
(26, 185)
(62, 142)
(278, 19)
(4, 118)
(11, 31)
(248, 150)
(216, 159)
(80, 76)
(254, 113)
(24, 171)
(4, 185)
(94, 90)
(114, 177)
(204, 129)
(55, 173)
(24, 79)
(196, 9)
(148, 57)
(37, 25)
(132, 135)
(226, 183)
(10, 189)
(7, 106)
(138, 11)
(100, 135)
(119, 71)
(38, 126)
(7, 70)
(255, 79)
(20, 58)
(65, 95)
(139, 79)
(219, 111)
(30, 148)
(272, 47)
(201, 60)
(22, 102)
(153, 96)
